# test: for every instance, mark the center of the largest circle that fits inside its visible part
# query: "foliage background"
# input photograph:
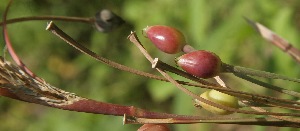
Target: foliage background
(212, 25)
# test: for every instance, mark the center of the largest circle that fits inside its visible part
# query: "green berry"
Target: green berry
(220, 98)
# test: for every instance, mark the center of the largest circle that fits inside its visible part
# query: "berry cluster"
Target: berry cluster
(200, 63)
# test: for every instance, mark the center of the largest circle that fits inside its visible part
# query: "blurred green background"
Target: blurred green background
(212, 25)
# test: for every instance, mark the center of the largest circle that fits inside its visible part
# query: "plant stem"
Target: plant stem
(217, 120)
(10, 48)
(55, 30)
(252, 72)
(269, 86)
(276, 40)
(88, 20)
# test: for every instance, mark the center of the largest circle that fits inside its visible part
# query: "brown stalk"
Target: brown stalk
(269, 86)
(88, 20)
(215, 120)
(276, 40)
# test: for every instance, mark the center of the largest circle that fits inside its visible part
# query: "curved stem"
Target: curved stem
(90, 20)
(252, 72)
(11, 49)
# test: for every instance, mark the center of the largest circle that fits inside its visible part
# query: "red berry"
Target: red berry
(201, 63)
(165, 38)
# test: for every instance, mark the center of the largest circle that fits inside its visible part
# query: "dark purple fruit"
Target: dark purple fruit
(201, 63)
(165, 38)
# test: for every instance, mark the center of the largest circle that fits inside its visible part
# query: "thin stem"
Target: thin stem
(10, 47)
(269, 86)
(188, 48)
(97, 107)
(252, 72)
(87, 20)
(217, 120)
(276, 40)
(55, 30)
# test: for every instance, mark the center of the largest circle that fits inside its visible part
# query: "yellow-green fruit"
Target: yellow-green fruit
(220, 98)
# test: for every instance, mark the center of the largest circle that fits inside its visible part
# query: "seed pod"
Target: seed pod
(165, 38)
(201, 63)
(220, 98)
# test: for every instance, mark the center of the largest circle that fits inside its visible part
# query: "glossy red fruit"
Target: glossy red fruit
(165, 38)
(201, 63)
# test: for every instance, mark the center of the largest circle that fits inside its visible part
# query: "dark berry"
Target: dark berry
(201, 63)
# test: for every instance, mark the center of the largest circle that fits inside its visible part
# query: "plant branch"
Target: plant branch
(10, 47)
(269, 86)
(252, 72)
(216, 120)
(88, 20)
(276, 40)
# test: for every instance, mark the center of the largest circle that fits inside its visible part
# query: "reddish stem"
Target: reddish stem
(7, 93)
(11, 49)
(92, 106)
